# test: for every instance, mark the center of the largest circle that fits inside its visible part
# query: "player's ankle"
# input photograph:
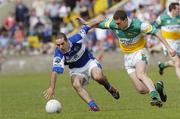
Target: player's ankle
(92, 103)
(154, 94)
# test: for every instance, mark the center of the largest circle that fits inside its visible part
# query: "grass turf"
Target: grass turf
(21, 98)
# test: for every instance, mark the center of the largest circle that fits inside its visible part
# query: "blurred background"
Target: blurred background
(27, 28)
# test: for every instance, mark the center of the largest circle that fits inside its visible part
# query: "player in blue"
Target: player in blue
(82, 65)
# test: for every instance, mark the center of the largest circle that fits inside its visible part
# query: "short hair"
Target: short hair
(120, 14)
(173, 6)
(61, 35)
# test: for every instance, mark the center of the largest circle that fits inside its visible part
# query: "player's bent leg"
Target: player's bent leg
(138, 84)
(141, 74)
(77, 82)
(164, 65)
(98, 76)
(161, 66)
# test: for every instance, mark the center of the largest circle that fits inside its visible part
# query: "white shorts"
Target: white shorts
(100, 34)
(175, 44)
(131, 59)
(85, 71)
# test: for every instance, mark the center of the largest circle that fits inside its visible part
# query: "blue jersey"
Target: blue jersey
(76, 57)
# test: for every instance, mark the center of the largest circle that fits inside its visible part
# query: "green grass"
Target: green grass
(21, 98)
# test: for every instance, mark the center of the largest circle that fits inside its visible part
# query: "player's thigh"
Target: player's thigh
(96, 73)
(77, 81)
(141, 67)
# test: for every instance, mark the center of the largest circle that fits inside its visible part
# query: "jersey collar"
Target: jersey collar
(170, 14)
(129, 23)
(70, 44)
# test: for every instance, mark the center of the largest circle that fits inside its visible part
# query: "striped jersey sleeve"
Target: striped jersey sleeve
(148, 28)
(58, 62)
(157, 22)
(82, 34)
(106, 24)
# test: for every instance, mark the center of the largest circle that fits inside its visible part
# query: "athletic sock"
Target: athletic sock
(154, 94)
(92, 103)
(158, 88)
(163, 65)
(105, 83)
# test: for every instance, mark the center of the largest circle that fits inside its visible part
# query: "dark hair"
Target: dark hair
(120, 14)
(173, 6)
(61, 35)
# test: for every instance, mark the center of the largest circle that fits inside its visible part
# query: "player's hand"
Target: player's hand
(100, 18)
(48, 93)
(172, 52)
(81, 20)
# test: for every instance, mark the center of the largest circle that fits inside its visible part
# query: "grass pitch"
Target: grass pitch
(21, 98)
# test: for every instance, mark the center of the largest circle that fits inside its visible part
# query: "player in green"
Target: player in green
(132, 43)
(169, 22)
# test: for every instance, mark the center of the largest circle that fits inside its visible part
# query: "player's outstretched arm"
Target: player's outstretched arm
(150, 29)
(49, 92)
(93, 22)
(165, 43)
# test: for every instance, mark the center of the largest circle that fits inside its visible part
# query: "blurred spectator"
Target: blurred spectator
(4, 42)
(84, 6)
(34, 45)
(100, 6)
(143, 14)
(19, 38)
(52, 12)
(63, 11)
(131, 5)
(39, 6)
(19, 34)
(22, 12)
(33, 20)
(70, 3)
(58, 15)
(9, 24)
(47, 47)
(101, 35)
(66, 27)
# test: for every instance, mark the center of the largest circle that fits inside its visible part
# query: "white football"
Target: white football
(53, 106)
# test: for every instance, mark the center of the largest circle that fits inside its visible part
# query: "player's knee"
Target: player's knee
(76, 85)
(141, 76)
(142, 91)
(98, 78)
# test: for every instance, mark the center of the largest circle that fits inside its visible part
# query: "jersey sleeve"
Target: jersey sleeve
(82, 34)
(148, 28)
(58, 62)
(157, 22)
(106, 24)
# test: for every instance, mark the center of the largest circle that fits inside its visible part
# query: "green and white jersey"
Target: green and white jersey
(131, 39)
(170, 26)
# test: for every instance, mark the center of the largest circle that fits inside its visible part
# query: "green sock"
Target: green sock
(154, 94)
(163, 65)
(158, 87)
